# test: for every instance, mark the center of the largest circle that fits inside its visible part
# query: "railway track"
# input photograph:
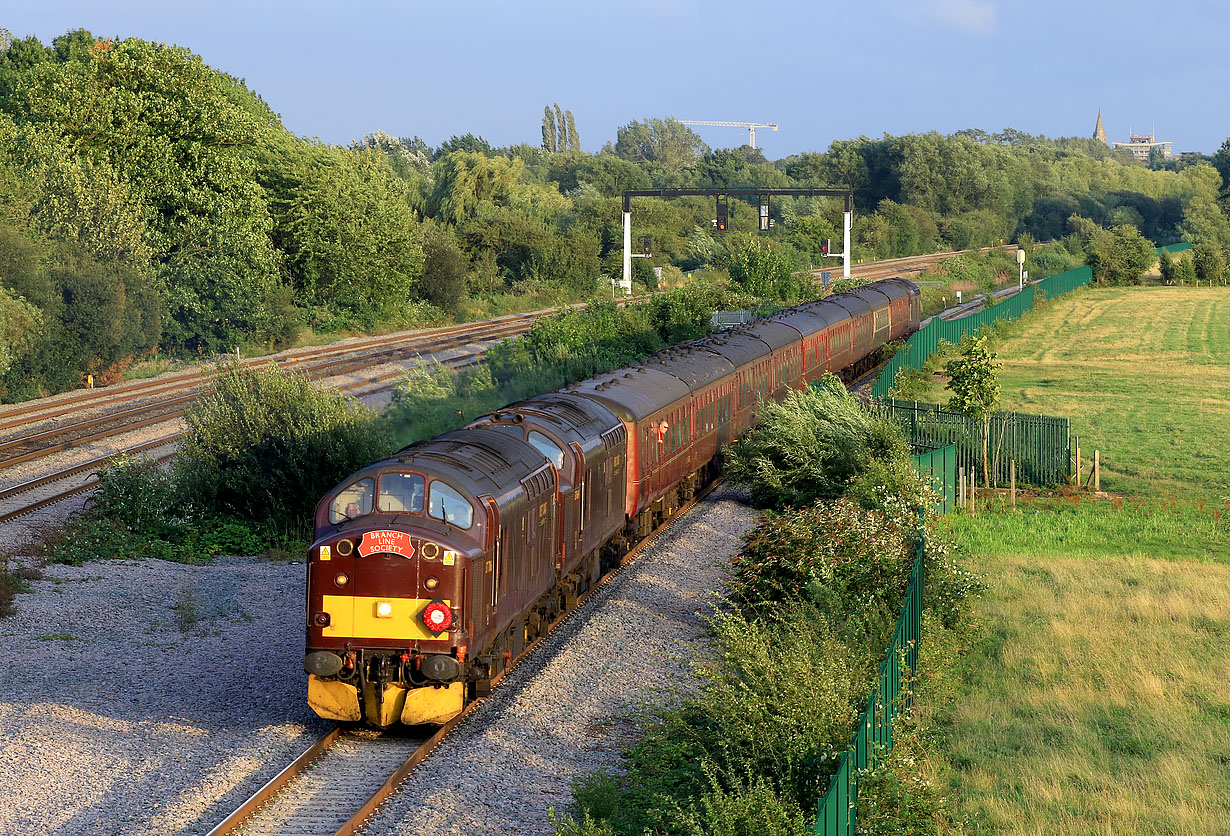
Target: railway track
(368, 386)
(342, 779)
(889, 267)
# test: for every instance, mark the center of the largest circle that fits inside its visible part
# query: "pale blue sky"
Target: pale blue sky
(822, 70)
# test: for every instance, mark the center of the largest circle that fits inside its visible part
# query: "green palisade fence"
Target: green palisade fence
(1040, 445)
(941, 466)
(837, 810)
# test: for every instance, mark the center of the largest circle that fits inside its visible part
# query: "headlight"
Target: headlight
(431, 583)
(384, 609)
(341, 579)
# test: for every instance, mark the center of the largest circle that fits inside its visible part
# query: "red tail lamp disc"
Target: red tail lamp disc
(437, 617)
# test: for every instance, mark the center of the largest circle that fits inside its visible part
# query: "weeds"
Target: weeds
(186, 609)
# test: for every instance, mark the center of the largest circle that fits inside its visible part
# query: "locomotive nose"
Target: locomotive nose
(440, 667)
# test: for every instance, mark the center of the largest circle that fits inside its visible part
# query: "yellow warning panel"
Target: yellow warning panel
(356, 617)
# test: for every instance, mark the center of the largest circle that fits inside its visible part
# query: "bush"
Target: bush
(812, 446)
(853, 557)
(265, 444)
(758, 714)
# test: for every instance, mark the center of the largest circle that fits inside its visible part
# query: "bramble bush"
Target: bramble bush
(260, 451)
(851, 557)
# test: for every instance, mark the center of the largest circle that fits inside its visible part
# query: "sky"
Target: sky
(821, 70)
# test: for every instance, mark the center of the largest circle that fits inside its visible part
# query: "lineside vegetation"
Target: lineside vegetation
(812, 601)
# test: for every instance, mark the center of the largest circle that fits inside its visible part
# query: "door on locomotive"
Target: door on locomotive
(403, 599)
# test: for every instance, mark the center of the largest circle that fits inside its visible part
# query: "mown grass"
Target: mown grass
(1098, 700)
(1144, 374)
(1095, 699)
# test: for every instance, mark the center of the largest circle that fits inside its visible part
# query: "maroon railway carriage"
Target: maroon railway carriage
(432, 569)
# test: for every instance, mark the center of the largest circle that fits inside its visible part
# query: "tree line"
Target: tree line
(149, 203)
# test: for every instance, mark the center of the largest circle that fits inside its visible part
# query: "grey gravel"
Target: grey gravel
(566, 711)
(149, 697)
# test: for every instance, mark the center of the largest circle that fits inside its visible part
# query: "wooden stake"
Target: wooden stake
(1097, 470)
(973, 481)
(1012, 478)
(1078, 462)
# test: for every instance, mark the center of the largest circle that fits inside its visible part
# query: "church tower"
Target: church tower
(1099, 133)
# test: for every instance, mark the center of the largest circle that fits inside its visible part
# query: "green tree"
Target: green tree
(170, 126)
(973, 378)
(561, 130)
(1185, 270)
(445, 269)
(342, 220)
(760, 267)
(1167, 266)
(1209, 262)
(574, 139)
(1221, 161)
(1118, 256)
(19, 322)
(668, 143)
(550, 140)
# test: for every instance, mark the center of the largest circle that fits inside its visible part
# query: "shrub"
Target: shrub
(758, 713)
(265, 444)
(862, 557)
(811, 446)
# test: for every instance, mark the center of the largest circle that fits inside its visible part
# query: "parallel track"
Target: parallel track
(370, 386)
(327, 791)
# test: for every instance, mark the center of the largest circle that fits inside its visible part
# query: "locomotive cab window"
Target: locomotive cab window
(446, 503)
(352, 501)
(400, 492)
(548, 448)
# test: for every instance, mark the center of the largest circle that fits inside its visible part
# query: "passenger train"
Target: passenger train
(433, 569)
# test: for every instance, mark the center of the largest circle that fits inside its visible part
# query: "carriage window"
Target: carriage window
(401, 492)
(548, 448)
(355, 500)
(449, 505)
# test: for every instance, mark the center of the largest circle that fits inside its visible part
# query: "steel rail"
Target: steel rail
(200, 384)
(275, 784)
(129, 389)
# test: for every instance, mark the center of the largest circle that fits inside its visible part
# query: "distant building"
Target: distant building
(1142, 145)
(1099, 133)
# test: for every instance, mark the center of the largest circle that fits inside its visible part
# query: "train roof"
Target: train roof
(739, 347)
(897, 287)
(810, 318)
(478, 461)
(635, 392)
(774, 334)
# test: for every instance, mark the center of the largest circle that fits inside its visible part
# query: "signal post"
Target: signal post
(722, 196)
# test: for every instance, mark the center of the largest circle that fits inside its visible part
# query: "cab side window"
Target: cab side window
(547, 447)
(446, 503)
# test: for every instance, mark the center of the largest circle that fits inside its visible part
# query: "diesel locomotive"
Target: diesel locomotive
(432, 570)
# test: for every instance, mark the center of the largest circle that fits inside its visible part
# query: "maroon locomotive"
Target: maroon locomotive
(432, 569)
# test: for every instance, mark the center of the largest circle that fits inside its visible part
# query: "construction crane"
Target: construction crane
(751, 127)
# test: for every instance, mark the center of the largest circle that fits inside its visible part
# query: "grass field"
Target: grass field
(1097, 700)
(1144, 374)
